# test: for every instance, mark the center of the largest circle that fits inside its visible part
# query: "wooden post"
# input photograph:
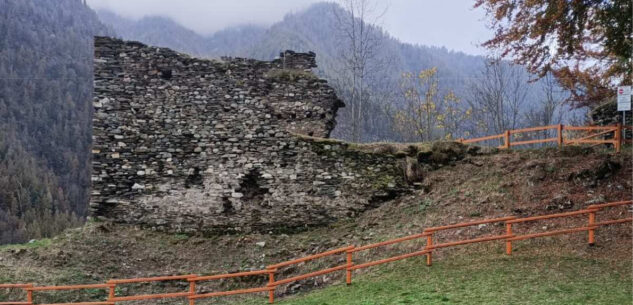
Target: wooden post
(506, 138)
(348, 275)
(271, 280)
(29, 295)
(592, 221)
(618, 137)
(192, 291)
(508, 241)
(429, 244)
(111, 291)
(560, 135)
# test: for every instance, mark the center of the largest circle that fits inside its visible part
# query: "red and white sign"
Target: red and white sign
(624, 98)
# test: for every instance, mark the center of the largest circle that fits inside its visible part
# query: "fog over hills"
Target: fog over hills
(164, 32)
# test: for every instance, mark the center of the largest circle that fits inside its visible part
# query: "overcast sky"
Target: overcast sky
(450, 23)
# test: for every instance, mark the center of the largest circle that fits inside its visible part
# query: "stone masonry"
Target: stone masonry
(192, 145)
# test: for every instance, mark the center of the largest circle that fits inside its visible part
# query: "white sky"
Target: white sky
(453, 24)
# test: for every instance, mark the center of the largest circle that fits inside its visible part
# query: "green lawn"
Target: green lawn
(494, 280)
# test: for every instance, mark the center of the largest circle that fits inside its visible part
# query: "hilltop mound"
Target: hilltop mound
(478, 186)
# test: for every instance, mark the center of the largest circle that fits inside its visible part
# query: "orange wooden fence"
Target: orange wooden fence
(73, 287)
(194, 296)
(508, 237)
(594, 135)
(29, 294)
(113, 283)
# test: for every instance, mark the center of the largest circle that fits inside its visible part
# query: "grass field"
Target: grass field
(493, 280)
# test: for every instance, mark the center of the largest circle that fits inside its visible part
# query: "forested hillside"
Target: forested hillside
(385, 105)
(45, 106)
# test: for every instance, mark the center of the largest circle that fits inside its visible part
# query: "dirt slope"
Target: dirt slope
(514, 183)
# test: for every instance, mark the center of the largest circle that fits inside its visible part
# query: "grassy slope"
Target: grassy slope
(491, 280)
(554, 270)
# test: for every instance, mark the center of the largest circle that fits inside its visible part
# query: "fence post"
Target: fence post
(271, 281)
(508, 241)
(192, 291)
(560, 135)
(111, 291)
(348, 274)
(506, 139)
(592, 221)
(429, 244)
(618, 137)
(29, 295)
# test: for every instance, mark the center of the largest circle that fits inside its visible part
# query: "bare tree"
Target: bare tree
(359, 56)
(497, 97)
(547, 111)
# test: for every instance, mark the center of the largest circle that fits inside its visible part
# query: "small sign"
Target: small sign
(624, 98)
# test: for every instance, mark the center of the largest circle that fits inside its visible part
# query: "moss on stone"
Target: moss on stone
(290, 75)
(381, 182)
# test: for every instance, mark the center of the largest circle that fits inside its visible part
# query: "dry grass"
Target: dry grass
(477, 187)
(391, 148)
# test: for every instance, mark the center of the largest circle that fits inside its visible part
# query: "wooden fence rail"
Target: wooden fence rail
(610, 135)
(113, 284)
(510, 235)
(192, 288)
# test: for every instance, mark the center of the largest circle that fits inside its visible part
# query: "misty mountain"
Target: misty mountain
(237, 41)
(164, 32)
(157, 31)
(45, 104)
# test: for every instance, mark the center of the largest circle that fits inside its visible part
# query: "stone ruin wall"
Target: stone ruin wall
(192, 145)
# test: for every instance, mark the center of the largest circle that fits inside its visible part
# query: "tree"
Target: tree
(428, 116)
(359, 56)
(548, 109)
(497, 97)
(586, 44)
